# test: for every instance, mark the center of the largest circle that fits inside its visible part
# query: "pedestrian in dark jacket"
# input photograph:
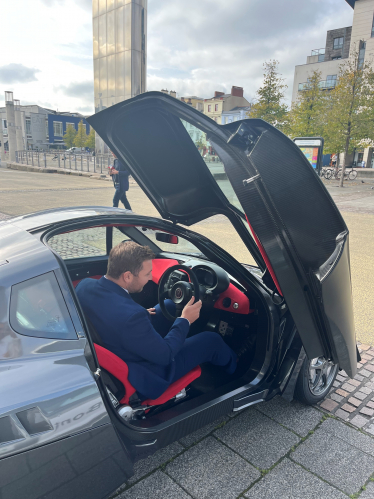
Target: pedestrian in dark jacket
(120, 178)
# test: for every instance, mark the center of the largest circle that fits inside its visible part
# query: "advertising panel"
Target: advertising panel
(312, 148)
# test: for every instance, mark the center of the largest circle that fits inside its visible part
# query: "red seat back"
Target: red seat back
(116, 366)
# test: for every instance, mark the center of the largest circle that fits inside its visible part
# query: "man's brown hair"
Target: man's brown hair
(128, 256)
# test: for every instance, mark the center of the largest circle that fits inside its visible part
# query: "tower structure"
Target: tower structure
(119, 52)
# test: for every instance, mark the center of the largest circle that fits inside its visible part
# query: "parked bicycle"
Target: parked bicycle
(333, 173)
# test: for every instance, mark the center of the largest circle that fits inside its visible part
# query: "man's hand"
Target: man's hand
(191, 311)
(113, 171)
(152, 311)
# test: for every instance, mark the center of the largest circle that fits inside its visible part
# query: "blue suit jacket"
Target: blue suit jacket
(122, 177)
(126, 330)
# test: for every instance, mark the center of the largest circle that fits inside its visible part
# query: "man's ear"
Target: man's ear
(127, 276)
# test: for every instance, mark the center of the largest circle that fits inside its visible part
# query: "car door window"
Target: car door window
(37, 308)
(80, 243)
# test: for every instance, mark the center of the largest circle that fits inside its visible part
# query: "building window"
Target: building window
(331, 77)
(57, 128)
(46, 128)
(336, 58)
(216, 107)
(5, 127)
(372, 29)
(209, 108)
(338, 42)
(361, 54)
(28, 126)
(70, 124)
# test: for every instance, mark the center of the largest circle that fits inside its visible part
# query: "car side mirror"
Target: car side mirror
(166, 238)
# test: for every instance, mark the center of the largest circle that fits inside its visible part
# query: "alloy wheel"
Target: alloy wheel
(321, 375)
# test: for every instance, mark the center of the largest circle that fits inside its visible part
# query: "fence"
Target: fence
(82, 162)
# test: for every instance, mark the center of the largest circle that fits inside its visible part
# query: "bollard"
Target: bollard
(32, 158)
(38, 159)
(94, 164)
(27, 158)
(101, 165)
(58, 160)
(45, 159)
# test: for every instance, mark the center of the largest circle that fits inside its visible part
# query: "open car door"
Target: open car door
(300, 233)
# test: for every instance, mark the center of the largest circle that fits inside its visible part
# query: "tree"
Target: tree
(351, 112)
(269, 106)
(307, 117)
(81, 137)
(90, 142)
(69, 136)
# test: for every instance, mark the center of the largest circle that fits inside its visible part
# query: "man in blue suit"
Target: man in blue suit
(156, 352)
(120, 177)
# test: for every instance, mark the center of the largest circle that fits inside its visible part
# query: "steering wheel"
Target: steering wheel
(180, 292)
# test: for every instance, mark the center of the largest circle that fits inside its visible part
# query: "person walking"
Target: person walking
(120, 178)
(363, 163)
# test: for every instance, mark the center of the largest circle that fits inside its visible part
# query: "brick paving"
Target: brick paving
(353, 399)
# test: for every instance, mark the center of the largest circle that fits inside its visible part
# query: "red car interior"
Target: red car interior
(118, 368)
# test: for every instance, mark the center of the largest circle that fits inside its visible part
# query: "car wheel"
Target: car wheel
(315, 380)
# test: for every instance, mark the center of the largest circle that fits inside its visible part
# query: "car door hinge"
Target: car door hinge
(97, 373)
(250, 180)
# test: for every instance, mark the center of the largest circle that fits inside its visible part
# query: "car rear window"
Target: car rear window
(37, 308)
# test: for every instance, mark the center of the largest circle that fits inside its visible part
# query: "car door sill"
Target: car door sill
(248, 400)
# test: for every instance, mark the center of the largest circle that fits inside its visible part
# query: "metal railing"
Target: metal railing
(78, 162)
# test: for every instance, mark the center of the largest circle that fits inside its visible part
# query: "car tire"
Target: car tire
(315, 380)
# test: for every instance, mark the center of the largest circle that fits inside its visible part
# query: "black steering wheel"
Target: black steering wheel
(180, 292)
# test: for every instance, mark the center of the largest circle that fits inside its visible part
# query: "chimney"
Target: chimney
(182, 99)
(173, 93)
(165, 91)
(237, 91)
(218, 94)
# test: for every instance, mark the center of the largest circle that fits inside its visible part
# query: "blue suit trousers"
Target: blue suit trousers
(203, 347)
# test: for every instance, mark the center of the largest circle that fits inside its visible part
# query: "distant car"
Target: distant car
(76, 150)
(71, 425)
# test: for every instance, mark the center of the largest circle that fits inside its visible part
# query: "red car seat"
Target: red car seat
(119, 369)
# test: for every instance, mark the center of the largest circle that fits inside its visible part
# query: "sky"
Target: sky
(194, 47)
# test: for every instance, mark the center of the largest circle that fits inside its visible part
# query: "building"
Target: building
(195, 102)
(221, 102)
(340, 44)
(41, 128)
(119, 52)
(236, 114)
(58, 123)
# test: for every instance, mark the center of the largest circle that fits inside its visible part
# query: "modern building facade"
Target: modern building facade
(221, 102)
(119, 52)
(340, 44)
(39, 128)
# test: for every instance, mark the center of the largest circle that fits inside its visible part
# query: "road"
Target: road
(25, 192)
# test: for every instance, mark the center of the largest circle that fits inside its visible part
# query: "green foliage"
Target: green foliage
(307, 117)
(350, 114)
(69, 136)
(81, 136)
(90, 142)
(269, 105)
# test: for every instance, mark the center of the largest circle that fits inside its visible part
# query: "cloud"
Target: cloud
(80, 90)
(84, 4)
(225, 43)
(17, 73)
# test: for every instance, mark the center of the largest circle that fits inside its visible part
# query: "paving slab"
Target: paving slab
(202, 432)
(289, 480)
(334, 460)
(295, 416)
(145, 466)
(156, 486)
(211, 470)
(349, 435)
(368, 493)
(257, 438)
